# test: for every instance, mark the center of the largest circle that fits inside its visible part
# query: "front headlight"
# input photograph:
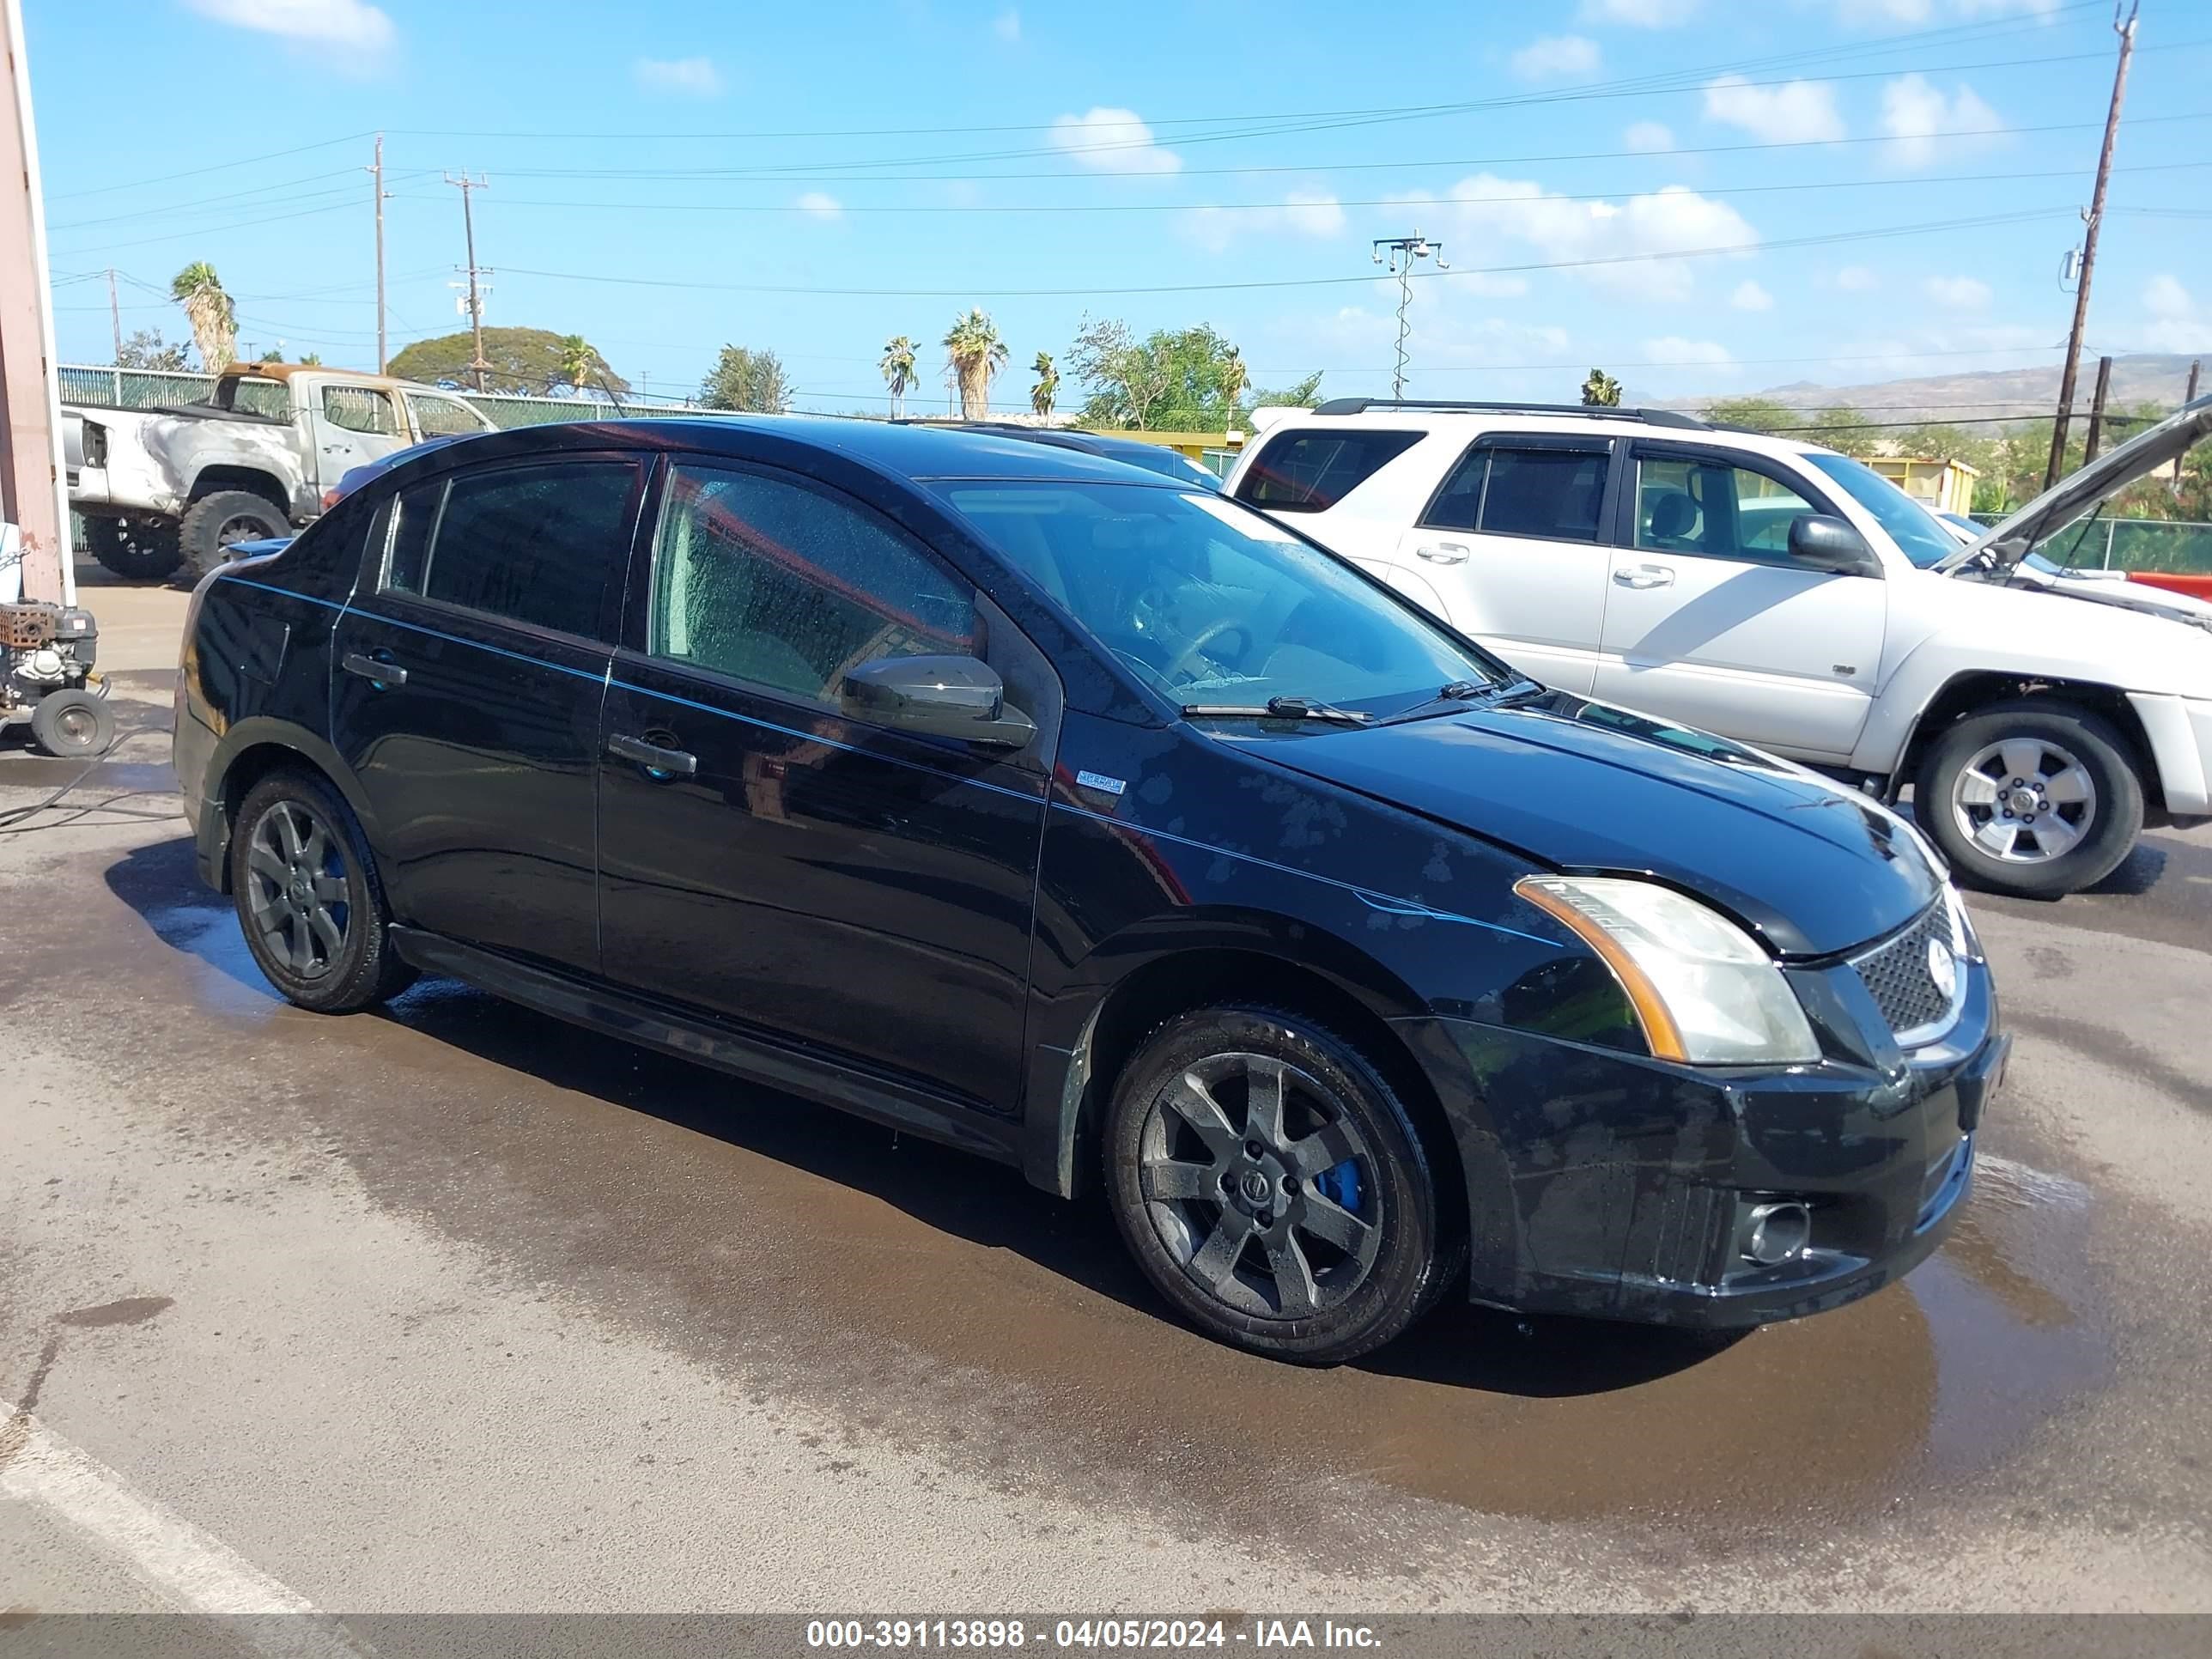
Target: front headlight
(1704, 989)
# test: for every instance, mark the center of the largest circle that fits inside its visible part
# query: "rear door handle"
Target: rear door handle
(1442, 552)
(661, 761)
(1644, 575)
(380, 672)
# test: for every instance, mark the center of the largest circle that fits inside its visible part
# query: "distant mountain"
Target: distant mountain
(1995, 393)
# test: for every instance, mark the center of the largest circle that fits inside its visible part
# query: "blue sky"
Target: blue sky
(669, 175)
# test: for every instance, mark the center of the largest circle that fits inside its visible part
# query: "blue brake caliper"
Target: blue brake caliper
(1340, 1185)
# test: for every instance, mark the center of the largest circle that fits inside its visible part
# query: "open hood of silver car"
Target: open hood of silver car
(2006, 544)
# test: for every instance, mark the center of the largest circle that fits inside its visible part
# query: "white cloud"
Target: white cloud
(1304, 214)
(1797, 112)
(1749, 296)
(1557, 58)
(1649, 135)
(1007, 26)
(1673, 350)
(819, 204)
(353, 24)
(1857, 279)
(688, 77)
(2176, 324)
(1633, 237)
(1112, 141)
(1878, 14)
(1917, 116)
(1640, 13)
(1958, 293)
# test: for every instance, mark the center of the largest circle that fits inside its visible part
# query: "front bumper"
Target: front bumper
(2179, 730)
(1611, 1185)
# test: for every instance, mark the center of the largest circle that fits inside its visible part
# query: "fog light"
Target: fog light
(1776, 1233)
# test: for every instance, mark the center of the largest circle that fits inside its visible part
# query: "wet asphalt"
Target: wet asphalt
(454, 1307)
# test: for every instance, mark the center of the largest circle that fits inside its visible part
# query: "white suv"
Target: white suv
(1785, 596)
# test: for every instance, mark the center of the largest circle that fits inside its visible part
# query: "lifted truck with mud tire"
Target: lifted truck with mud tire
(164, 488)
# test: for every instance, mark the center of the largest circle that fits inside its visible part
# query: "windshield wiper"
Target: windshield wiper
(1277, 708)
(1466, 691)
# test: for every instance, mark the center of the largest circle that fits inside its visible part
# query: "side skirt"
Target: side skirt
(756, 1059)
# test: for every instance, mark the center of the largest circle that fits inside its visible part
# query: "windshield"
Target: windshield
(1208, 602)
(1918, 533)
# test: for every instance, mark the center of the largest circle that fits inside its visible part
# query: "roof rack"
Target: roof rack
(1588, 411)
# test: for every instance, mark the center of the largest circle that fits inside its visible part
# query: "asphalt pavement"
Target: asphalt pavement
(455, 1308)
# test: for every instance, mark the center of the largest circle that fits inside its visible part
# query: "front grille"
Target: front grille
(1895, 973)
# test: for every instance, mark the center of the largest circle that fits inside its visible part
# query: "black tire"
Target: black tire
(136, 550)
(308, 899)
(2082, 784)
(73, 724)
(212, 523)
(1255, 1250)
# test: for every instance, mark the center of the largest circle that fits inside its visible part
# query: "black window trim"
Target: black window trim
(1623, 519)
(1574, 443)
(1276, 438)
(610, 613)
(636, 641)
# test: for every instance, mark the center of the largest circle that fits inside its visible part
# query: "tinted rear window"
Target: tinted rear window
(1311, 470)
(537, 544)
(1545, 491)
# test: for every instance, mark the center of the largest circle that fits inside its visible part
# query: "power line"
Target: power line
(978, 291)
(194, 173)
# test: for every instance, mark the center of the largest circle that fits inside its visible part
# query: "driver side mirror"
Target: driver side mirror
(945, 696)
(1820, 541)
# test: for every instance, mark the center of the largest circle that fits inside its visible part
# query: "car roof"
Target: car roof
(919, 452)
(1555, 419)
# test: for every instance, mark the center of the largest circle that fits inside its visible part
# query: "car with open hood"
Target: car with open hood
(1006, 794)
(1790, 598)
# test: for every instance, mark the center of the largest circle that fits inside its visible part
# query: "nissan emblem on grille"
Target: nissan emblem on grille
(1914, 977)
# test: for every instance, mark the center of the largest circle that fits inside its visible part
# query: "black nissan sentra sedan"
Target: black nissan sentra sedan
(1016, 797)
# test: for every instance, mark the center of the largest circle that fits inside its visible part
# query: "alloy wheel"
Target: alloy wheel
(297, 889)
(2024, 800)
(1260, 1186)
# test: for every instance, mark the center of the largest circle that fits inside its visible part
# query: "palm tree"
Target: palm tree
(1048, 386)
(1235, 378)
(899, 370)
(973, 354)
(579, 361)
(1600, 390)
(207, 309)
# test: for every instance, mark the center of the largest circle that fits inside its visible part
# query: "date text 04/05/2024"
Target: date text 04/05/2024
(1106, 1634)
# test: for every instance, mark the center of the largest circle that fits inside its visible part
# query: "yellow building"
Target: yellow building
(1939, 486)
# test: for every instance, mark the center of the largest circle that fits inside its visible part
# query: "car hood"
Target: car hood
(2007, 542)
(1585, 786)
(2114, 589)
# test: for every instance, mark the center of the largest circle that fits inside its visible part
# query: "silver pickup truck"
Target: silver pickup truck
(162, 488)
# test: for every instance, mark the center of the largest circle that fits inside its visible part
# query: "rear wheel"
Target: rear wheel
(1271, 1184)
(215, 524)
(308, 899)
(73, 723)
(137, 550)
(2036, 797)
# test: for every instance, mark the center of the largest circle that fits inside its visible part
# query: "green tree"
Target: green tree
(898, 367)
(1235, 380)
(743, 379)
(525, 361)
(311, 360)
(1047, 384)
(1753, 414)
(1300, 394)
(973, 354)
(1188, 380)
(581, 366)
(147, 349)
(1600, 390)
(214, 319)
(1840, 427)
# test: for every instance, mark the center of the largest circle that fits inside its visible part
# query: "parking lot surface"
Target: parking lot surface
(457, 1307)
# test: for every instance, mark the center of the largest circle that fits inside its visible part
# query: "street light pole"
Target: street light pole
(1401, 253)
(466, 185)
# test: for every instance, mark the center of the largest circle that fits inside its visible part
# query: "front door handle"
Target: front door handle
(1442, 552)
(658, 761)
(1645, 575)
(380, 672)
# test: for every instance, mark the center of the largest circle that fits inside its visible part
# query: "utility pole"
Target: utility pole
(2126, 29)
(376, 185)
(1403, 252)
(2195, 368)
(465, 184)
(115, 316)
(2095, 442)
